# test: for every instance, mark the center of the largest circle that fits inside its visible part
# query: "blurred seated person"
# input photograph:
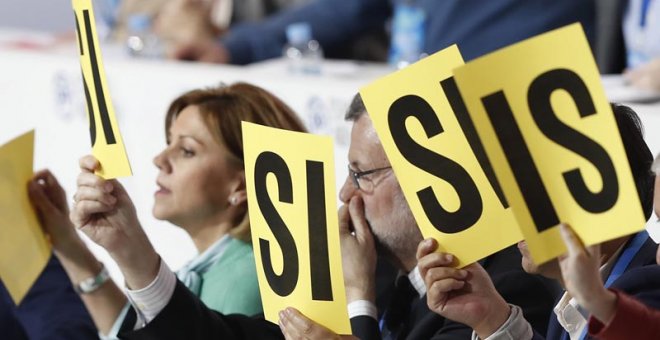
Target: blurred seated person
(476, 26)
(180, 21)
(627, 41)
(641, 33)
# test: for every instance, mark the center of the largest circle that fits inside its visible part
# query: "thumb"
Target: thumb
(571, 239)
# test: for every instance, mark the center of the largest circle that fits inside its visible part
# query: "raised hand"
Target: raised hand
(50, 203)
(105, 213)
(463, 295)
(580, 272)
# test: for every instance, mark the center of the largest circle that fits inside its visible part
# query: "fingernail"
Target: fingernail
(449, 258)
(108, 187)
(463, 273)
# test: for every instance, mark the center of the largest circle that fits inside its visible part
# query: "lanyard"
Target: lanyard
(643, 13)
(629, 252)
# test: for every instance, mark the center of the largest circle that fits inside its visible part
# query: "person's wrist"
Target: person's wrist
(68, 245)
(601, 304)
(139, 271)
(493, 320)
(356, 293)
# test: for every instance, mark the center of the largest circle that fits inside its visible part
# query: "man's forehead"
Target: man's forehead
(365, 148)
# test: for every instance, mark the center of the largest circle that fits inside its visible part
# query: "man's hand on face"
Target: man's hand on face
(358, 252)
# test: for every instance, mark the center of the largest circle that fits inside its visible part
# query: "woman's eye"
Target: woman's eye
(187, 152)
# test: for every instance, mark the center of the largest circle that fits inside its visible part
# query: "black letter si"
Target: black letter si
(269, 162)
(471, 205)
(540, 106)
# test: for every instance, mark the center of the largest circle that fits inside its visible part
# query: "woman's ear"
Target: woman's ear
(238, 192)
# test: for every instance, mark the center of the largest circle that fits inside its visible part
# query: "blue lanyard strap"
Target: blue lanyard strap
(631, 249)
(622, 263)
(644, 12)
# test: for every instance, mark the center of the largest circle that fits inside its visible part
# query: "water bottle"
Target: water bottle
(141, 41)
(408, 31)
(303, 53)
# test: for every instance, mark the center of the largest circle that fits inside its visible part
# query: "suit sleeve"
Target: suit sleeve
(186, 317)
(333, 24)
(52, 310)
(365, 327)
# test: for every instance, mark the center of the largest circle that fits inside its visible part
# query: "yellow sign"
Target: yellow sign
(439, 160)
(295, 229)
(107, 144)
(24, 250)
(540, 110)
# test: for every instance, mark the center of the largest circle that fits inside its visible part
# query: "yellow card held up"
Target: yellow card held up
(438, 159)
(540, 110)
(24, 250)
(107, 144)
(293, 217)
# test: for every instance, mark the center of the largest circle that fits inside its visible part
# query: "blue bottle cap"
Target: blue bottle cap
(299, 33)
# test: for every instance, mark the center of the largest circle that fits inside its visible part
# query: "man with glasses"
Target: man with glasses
(379, 223)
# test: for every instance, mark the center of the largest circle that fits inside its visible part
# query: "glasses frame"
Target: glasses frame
(356, 175)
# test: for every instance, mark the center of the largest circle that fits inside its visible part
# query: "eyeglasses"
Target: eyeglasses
(361, 183)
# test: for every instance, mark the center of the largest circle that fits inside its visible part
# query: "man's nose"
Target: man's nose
(348, 190)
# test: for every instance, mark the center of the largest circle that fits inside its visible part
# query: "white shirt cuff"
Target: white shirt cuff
(152, 299)
(362, 308)
(113, 334)
(515, 328)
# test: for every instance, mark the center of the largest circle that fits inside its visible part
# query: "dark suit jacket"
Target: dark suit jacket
(534, 294)
(186, 317)
(640, 280)
(51, 310)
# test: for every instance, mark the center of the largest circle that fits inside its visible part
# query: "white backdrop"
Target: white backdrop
(43, 91)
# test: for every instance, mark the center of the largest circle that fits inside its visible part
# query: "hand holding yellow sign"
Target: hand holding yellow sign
(24, 250)
(107, 144)
(439, 160)
(540, 110)
(295, 231)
